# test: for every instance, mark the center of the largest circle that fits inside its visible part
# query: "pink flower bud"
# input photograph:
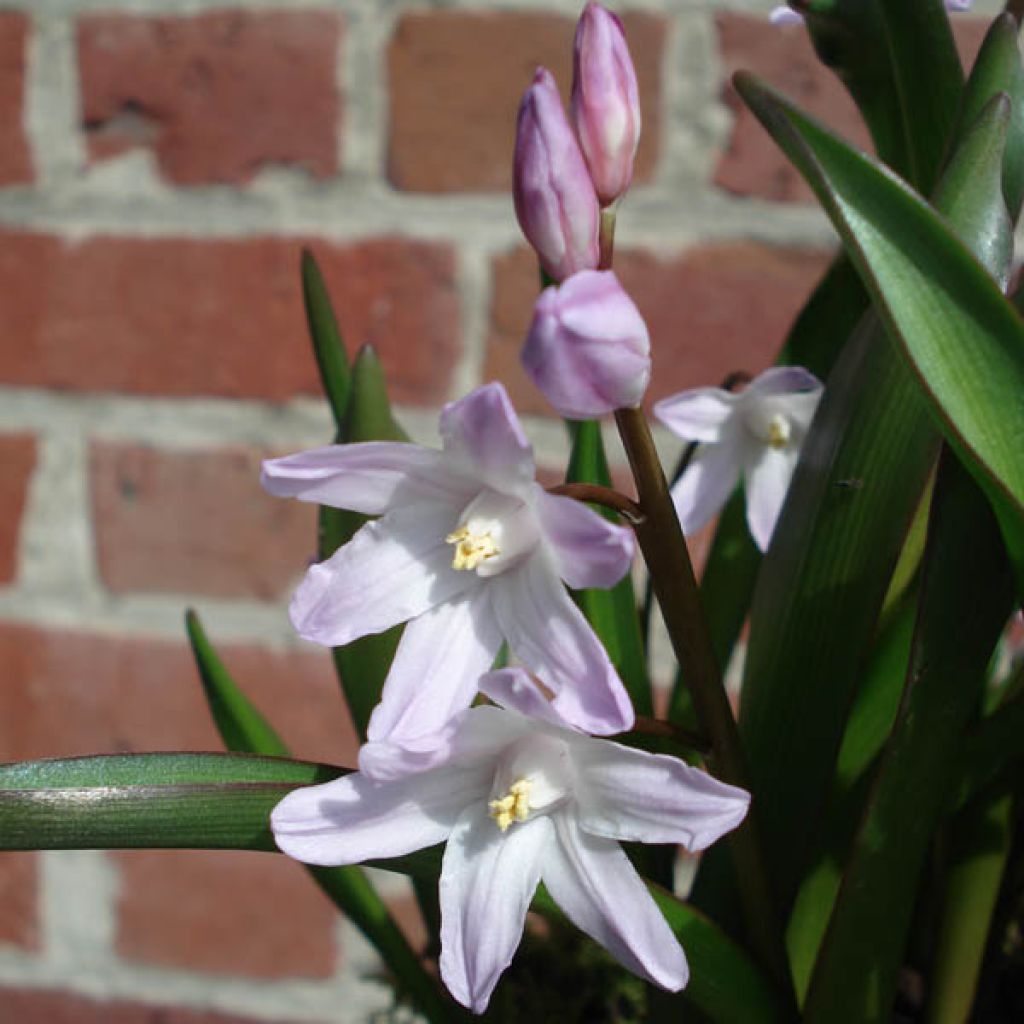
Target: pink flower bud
(605, 104)
(588, 349)
(554, 196)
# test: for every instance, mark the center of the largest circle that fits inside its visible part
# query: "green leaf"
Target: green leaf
(363, 664)
(899, 62)
(238, 721)
(957, 332)
(998, 69)
(157, 801)
(328, 347)
(965, 599)
(981, 837)
(613, 612)
(724, 982)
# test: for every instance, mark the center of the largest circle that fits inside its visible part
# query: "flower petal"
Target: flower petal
(392, 570)
(706, 484)
(353, 819)
(439, 660)
(555, 642)
(370, 478)
(592, 880)
(768, 480)
(478, 734)
(630, 794)
(514, 690)
(482, 433)
(782, 380)
(487, 881)
(587, 549)
(700, 414)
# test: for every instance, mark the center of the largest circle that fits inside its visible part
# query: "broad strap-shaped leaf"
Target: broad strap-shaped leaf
(957, 332)
(328, 347)
(965, 599)
(157, 801)
(239, 722)
(613, 612)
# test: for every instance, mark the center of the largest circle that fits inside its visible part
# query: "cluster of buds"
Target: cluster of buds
(588, 350)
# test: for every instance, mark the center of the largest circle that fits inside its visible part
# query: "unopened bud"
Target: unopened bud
(605, 104)
(554, 197)
(588, 349)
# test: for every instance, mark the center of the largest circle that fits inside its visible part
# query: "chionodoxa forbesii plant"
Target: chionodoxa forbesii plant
(867, 560)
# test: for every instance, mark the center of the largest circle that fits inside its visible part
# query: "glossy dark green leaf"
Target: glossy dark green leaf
(363, 664)
(965, 598)
(239, 722)
(957, 332)
(613, 613)
(850, 506)
(899, 62)
(328, 347)
(998, 69)
(157, 801)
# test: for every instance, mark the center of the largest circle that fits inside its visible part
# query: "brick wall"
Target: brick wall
(161, 164)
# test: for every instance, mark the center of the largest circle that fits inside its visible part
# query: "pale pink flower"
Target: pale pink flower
(521, 799)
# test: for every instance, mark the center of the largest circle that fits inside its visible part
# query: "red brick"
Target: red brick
(456, 79)
(752, 164)
(223, 912)
(69, 693)
(216, 96)
(183, 317)
(195, 521)
(15, 160)
(32, 1006)
(710, 310)
(18, 459)
(19, 922)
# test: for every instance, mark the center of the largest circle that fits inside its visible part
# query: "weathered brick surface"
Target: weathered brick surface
(710, 310)
(195, 521)
(183, 317)
(15, 158)
(752, 164)
(455, 80)
(18, 459)
(223, 912)
(19, 920)
(33, 1006)
(217, 96)
(68, 693)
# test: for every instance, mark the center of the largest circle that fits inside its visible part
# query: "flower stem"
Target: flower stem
(606, 238)
(647, 726)
(668, 561)
(598, 495)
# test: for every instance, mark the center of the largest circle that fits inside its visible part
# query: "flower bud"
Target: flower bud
(554, 197)
(588, 349)
(605, 105)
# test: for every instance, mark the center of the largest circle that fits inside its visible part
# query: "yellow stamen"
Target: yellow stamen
(513, 806)
(471, 548)
(778, 431)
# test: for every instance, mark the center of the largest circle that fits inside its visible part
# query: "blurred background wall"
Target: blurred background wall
(161, 165)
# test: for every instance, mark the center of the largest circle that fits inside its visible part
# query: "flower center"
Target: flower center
(513, 806)
(493, 533)
(472, 548)
(533, 776)
(779, 431)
